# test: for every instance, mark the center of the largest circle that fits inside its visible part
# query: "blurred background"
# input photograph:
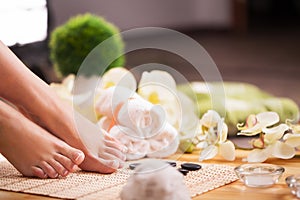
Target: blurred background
(251, 41)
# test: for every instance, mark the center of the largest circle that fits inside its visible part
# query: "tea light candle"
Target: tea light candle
(259, 181)
(259, 175)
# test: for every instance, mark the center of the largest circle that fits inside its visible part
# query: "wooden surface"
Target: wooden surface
(235, 190)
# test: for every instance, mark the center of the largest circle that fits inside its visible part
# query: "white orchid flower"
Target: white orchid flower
(255, 124)
(215, 138)
(273, 142)
(118, 76)
(159, 87)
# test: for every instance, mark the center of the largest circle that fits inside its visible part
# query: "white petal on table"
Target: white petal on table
(284, 151)
(227, 150)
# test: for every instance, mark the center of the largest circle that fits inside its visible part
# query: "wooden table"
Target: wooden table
(235, 190)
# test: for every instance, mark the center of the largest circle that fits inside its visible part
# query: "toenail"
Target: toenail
(65, 173)
(78, 156)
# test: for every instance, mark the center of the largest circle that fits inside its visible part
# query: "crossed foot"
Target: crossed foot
(36, 152)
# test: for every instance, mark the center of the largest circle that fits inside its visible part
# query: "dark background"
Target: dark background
(261, 46)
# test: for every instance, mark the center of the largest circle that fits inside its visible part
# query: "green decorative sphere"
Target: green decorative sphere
(71, 42)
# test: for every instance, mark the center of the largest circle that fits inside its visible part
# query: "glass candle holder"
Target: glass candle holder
(259, 174)
(293, 183)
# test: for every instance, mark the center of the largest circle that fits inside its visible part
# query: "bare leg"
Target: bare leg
(48, 111)
(31, 149)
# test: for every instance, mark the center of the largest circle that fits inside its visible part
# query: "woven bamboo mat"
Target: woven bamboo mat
(84, 185)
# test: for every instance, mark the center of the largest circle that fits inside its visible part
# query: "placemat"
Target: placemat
(85, 185)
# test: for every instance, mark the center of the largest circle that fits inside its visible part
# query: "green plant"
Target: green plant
(71, 42)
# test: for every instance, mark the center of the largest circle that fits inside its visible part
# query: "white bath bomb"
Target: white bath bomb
(155, 180)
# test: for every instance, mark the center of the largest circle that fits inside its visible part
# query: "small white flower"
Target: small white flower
(215, 138)
(273, 142)
(262, 120)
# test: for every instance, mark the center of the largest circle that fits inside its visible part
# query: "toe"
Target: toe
(66, 162)
(49, 170)
(115, 153)
(38, 172)
(59, 168)
(116, 145)
(75, 155)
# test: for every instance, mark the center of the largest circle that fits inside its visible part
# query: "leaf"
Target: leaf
(210, 119)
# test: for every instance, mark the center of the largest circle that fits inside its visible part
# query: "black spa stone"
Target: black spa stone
(172, 163)
(132, 166)
(191, 166)
(183, 171)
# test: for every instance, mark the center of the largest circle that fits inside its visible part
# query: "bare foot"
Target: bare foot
(32, 150)
(103, 153)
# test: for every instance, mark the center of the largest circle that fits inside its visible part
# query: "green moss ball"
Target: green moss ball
(71, 42)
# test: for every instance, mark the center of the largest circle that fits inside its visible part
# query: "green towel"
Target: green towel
(235, 101)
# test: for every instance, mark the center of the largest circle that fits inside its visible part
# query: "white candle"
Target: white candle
(259, 180)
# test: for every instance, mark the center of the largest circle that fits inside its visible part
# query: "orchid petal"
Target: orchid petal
(68, 82)
(118, 76)
(159, 87)
(63, 93)
(256, 129)
(202, 145)
(210, 118)
(157, 78)
(227, 150)
(250, 122)
(282, 150)
(292, 140)
(267, 118)
(275, 133)
(208, 153)
(222, 131)
(64, 89)
(258, 155)
(189, 121)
